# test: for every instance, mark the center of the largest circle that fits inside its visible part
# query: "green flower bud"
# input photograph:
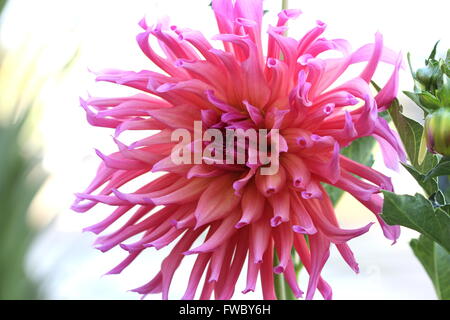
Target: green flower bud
(437, 129)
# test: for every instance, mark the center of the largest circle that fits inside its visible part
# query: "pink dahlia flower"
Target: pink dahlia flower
(229, 215)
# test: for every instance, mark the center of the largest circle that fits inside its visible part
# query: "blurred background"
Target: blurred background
(46, 145)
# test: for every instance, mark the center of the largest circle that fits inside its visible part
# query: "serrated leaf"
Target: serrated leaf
(417, 213)
(441, 169)
(430, 186)
(360, 151)
(436, 262)
(410, 133)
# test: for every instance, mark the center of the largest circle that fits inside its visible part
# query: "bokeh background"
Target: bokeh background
(47, 48)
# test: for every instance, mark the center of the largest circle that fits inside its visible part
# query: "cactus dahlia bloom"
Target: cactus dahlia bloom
(230, 216)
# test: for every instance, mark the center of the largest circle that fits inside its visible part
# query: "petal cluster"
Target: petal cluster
(230, 216)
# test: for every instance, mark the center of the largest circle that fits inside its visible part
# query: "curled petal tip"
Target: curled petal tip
(241, 224)
(278, 269)
(247, 290)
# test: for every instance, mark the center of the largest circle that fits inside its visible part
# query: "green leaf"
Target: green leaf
(436, 262)
(443, 93)
(360, 151)
(441, 169)
(446, 65)
(410, 133)
(430, 186)
(415, 96)
(417, 213)
(429, 101)
(433, 52)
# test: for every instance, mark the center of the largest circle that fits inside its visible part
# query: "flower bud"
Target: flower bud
(437, 128)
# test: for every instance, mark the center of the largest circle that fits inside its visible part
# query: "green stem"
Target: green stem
(285, 4)
(279, 283)
(282, 289)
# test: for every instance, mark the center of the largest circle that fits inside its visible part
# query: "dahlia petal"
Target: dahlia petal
(177, 117)
(238, 185)
(125, 263)
(96, 121)
(367, 173)
(252, 206)
(173, 260)
(112, 201)
(281, 206)
(219, 103)
(312, 190)
(164, 64)
(287, 14)
(129, 229)
(291, 278)
(348, 256)
(260, 234)
(283, 238)
(235, 268)
(252, 275)
(162, 137)
(210, 117)
(208, 287)
(320, 252)
(218, 260)
(388, 93)
(271, 184)
(303, 221)
(255, 113)
(204, 71)
(310, 37)
(368, 72)
(375, 204)
(390, 232)
(329, 171)
(196, 274)
(184, 194)
(383, 131)
(267, 283)
(154, 286)
(366, 123)
(116, 161)
(390, 155)
(303, 251)
(101, 226)
(296, 169)
(328, 229)
(164, 240)
(203, 171)
(224, 232)
(357, 188)
(210, 207)
(256, 87)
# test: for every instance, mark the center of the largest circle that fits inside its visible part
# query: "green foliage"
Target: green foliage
(430, 217)
(441, 169)
(2, 5)
(436, 262)
(431, 83)
(20, 179)
(410, 133)
(429, 185)
(417, 213)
